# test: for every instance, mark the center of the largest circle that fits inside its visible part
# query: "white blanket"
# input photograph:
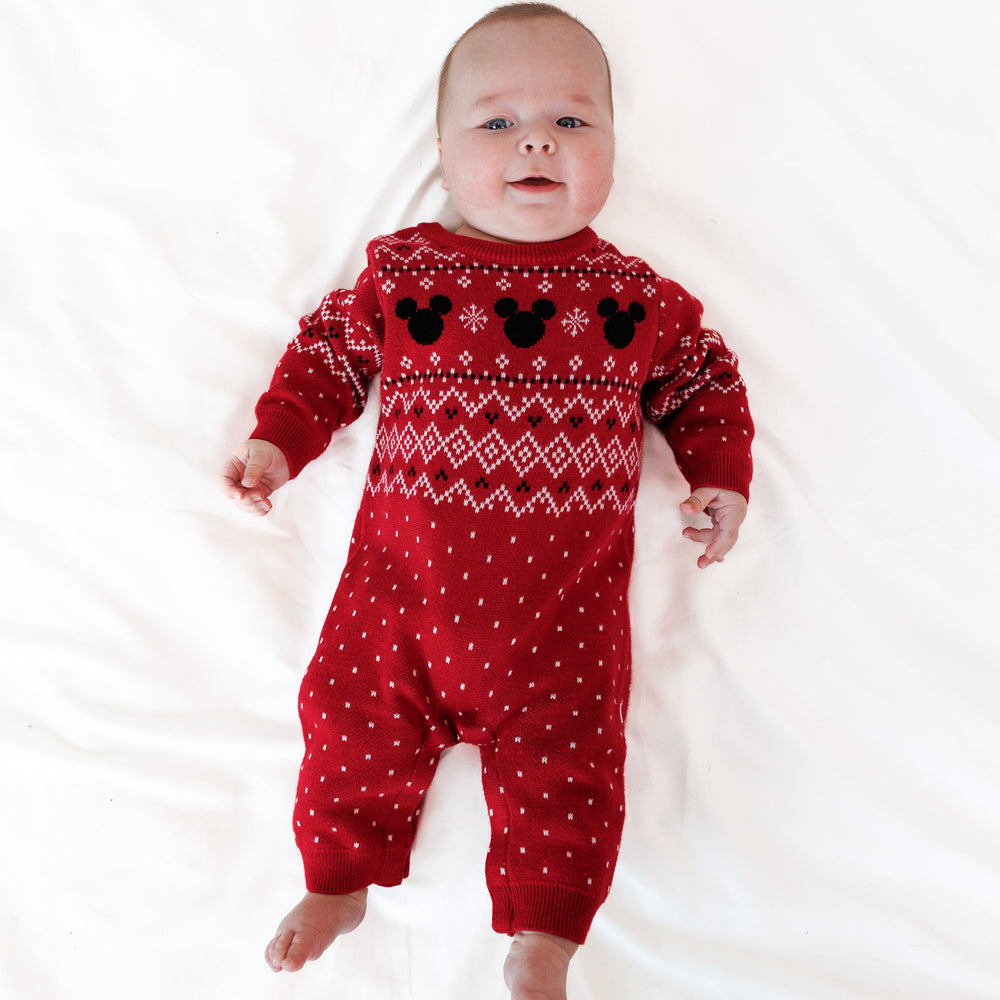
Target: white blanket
(815, 757)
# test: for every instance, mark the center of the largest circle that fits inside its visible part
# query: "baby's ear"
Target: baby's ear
(505, 308)
(406, 308)
(444, 180)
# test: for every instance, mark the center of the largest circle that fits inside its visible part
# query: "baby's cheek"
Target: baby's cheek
(595, 180)
(595, 194)
(471, 188)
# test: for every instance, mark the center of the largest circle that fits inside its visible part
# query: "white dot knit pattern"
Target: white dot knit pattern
(485, 593)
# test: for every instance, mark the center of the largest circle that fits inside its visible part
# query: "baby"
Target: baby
(484, 597)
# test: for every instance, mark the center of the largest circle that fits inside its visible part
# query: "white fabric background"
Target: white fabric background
(815, 755)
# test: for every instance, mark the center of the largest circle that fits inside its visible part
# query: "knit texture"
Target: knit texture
(569, 342)
(485, 596)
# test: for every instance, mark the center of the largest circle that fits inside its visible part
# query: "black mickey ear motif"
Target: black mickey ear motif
(619, 327)
(425, 325)
(521, 327)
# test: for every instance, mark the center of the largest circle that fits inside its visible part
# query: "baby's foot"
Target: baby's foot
(537, 965)
(312, 927)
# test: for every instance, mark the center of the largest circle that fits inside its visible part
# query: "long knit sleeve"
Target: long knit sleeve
(695, 395)
(321, 382)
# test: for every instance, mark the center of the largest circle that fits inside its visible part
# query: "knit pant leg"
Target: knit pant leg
(368, 763)
(554, 784)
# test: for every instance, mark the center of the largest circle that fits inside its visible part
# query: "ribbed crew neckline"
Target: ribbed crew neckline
(516, 254)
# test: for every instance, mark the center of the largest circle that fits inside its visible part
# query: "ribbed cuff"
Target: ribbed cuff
(723, 472)
(341, 872)
(545, 908)
(287, 432)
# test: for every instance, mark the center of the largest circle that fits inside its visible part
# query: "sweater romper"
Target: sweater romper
(484, 598)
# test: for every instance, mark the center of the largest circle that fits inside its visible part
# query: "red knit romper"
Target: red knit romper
(484, 598)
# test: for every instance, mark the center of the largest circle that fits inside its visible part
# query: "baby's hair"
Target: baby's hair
(513, 12)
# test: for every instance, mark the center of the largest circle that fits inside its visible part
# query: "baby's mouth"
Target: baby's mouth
(536, 183)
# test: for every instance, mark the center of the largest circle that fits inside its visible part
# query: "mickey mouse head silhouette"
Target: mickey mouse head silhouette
(619, 326)
(425, 325)
(523, 328)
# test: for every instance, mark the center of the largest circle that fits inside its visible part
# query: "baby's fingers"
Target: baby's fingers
(724, 541)
(232, 478)
(254, 503)
(253, 471)
(717, 541)
(704, 536)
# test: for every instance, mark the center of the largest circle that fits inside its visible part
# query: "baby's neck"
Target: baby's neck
(476, 234)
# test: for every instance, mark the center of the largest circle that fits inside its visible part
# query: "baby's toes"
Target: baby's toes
(276, 951)
(297, 953)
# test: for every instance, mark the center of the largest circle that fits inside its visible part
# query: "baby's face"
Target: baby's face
(527, 138)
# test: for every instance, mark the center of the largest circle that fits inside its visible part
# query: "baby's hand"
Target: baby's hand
(255, 471)
(727, 509)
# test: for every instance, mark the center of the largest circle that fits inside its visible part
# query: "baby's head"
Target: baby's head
(525, 125)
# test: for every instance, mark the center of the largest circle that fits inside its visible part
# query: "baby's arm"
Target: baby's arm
(320, 384)
(695, 395)
(256, 469)
(727, 509)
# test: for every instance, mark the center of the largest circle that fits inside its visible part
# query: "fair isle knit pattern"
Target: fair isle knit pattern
(485, 595)
(513, 377)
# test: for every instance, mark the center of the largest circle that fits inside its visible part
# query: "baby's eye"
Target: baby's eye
(496, 124)
(569, 122)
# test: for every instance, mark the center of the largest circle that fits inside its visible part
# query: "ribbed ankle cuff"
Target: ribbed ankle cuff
(549, 909)
(339, 872)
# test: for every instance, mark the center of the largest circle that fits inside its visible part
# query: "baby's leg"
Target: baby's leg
(312, 927)
(537, 965)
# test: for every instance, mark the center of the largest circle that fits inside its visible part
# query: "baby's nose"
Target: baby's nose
(538, 141)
